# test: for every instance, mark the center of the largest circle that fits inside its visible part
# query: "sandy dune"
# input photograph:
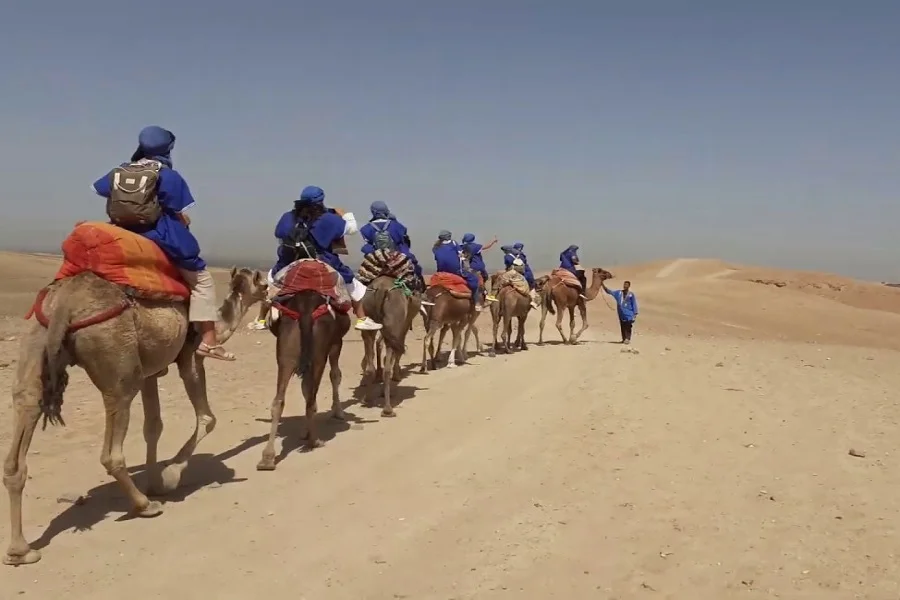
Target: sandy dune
(712, 465)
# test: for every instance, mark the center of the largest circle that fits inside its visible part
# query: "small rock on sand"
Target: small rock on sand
(857, 453)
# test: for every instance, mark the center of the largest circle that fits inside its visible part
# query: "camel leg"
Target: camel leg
(582, 309)
(379, 347)
(507, 330)
(153, 427)
(495, 326)
(521, 337)
(26, 404)
(335, 375)
(456, 331)
(440, 343)
(193, 376)
(286, 368)
(572, 325)
(543, 319)
(310, 387)
(428, 346)
(370, 370)
(112, 457)
(559, 317)
(390, 361)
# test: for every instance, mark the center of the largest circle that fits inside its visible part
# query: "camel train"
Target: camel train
(125, 340)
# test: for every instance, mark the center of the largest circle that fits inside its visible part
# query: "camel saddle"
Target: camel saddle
(455, 284)
(124, 258)
(513, 280)
(387, 263)
(566, 277)
(308, 274)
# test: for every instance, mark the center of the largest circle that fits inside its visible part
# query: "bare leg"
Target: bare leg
(153, 427)
(193, 376)
(26, 400)
(118, 414)
(334, 374)
(287, 365)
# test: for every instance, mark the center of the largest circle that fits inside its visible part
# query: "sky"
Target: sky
(757, 132)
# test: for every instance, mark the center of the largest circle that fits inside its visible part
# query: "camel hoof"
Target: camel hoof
(388, 413)
(492, 353)
(153, 509)
(29, 558)
(170, 479)
(338, 415)
(313, 444)
(266, 464)
(452, 365)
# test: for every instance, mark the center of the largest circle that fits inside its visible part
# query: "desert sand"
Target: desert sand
(713, 464)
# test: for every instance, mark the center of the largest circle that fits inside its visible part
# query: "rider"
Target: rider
(476, 260)
(385, 232)
(155, 208)
(309, 231)
(569, 260)
(448, 260)
(518, 249)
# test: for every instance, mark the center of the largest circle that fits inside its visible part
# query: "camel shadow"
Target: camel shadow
(202, 471)
(562, 343)
(293, 432)
(399, 390)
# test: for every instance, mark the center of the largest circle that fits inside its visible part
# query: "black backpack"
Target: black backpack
(300, 244)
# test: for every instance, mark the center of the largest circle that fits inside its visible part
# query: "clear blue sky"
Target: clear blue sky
(762, 132)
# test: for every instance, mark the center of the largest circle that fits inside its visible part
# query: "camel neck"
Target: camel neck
(230, 314)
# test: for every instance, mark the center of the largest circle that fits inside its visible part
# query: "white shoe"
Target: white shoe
(534, 306)
(427, 303)
(257, 325)
(367, 324)
(582, 296)
(478, 308)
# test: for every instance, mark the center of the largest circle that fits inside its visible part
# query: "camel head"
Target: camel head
(249, 284)
(602, 274)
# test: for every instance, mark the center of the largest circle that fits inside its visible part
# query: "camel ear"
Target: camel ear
(257, 278)
(233, 272)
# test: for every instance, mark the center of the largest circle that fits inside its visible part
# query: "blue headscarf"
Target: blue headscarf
(379, 210)
(444, 235)
(312, 194)
(506, 249)
(468, 238)
(391, 216)
(573, 248)
(155, 143)
(518, 246)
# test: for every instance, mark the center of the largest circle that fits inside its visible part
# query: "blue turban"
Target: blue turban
(468, 238)
(518, 245)
(312, 194)
(573, 247)
(380, 210)
(506, 249)
(155, 142)
(391, 216)
(444, 235)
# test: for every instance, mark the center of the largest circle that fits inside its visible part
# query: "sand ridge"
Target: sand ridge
(713, 464)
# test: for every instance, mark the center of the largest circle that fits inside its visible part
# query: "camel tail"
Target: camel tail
(548, 300)
(54, 377)
(307, 343)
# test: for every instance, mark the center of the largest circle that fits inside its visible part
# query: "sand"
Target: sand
(713, 464)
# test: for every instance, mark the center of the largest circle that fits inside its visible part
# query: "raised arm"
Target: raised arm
(489, 245)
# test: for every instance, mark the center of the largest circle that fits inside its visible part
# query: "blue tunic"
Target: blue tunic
(568, 259)
(398, 234)
(169, 233)
(625, 303)
(324, 231)
(476, 260)
(446, 258)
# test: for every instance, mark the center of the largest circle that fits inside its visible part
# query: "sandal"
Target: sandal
(217, 352)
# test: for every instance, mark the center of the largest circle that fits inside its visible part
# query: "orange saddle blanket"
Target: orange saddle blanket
(455, 284)
(566, 277)
(124, 258)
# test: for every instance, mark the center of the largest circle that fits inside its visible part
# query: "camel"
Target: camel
(510, 304)
(395, 308)
(124, 344)
(553, 290)
(471, 329)
(448, 311)
(303, 349)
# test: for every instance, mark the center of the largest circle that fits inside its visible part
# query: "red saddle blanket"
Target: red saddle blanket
(455, 284)
(566, 277)
(313, 275)
(124, 258)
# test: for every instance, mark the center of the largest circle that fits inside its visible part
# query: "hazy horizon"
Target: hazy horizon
(764, 133)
